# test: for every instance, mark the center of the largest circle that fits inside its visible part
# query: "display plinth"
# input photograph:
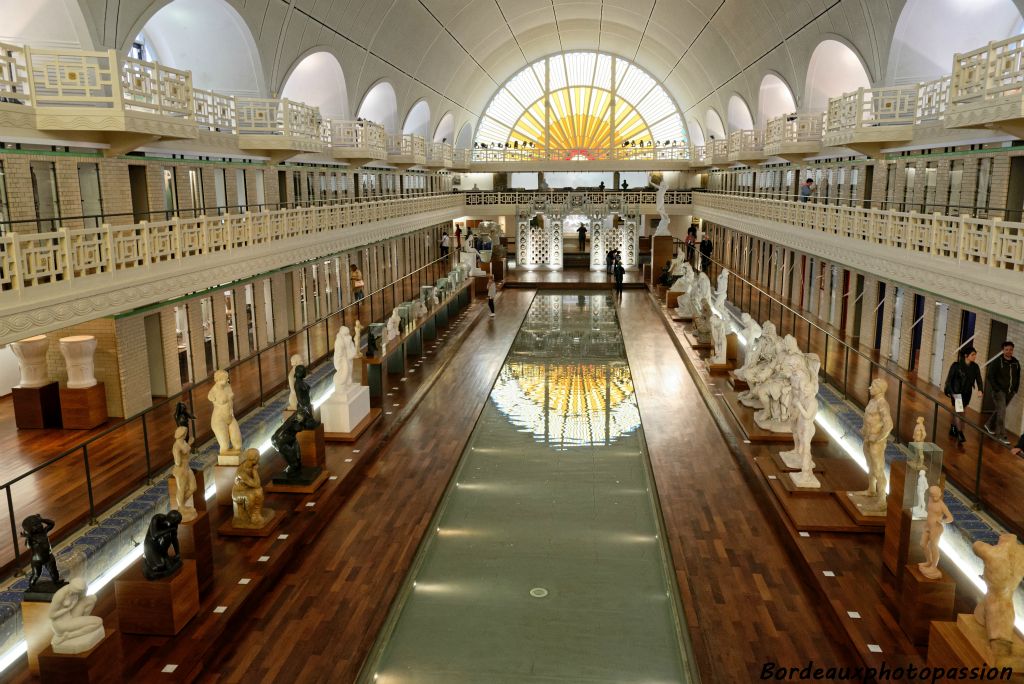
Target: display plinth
(312, 447)
(672, 299)
(754, 432)
(231, 458)
(923, 600)
(101, 664)
(342, 414)
(737, 384)
(732, 347)
(662, 249)
(270, 521)
(35, 620)
(863, 518)
(964, 643)
(224, 480)
(83, 408)
(720, 368)
(197, 544)
(782, 465)
(902, 543)
(37, 408)
(358, 430)
(307, 482)
(786, 478)
(696, 342)
(661, 292)
(162, 607)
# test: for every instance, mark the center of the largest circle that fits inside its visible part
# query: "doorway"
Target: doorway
(155, 356)
(896, 337)
(916, 331)
(139, 185)
(996, 337)
(939, 341)
(879, 317)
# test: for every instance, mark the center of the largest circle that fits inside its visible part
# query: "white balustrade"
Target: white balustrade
(990, 72)
(266, 116)
(213, 111)
(14, 81)
(792, 129)
(157, 89)
(932, 99)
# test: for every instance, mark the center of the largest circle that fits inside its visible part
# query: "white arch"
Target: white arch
(381, 106)
(445, 129)
(738, 115)
(695, 130)
(417, 121)
(209, 38)
(44, 24)
(318, 81)
(465, 139)
(713, 126)
(834, 69)
(930, 32)
(774, 99)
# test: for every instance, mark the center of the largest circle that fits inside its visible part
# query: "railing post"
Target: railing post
(977, 472)
(259, 373)
(88, 484)
(145, 444)
(14, 525)
(899, 409)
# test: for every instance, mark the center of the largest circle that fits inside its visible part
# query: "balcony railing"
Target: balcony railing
(439, 154)
(540, 154)
(213, 111)
(990, 242)
(263, 116)
(35, 259)
(869, 107)
(14, 80)
(407, 145)
(932, 99)
(718, 151)
(575, 199)
(157, 89)
(792, 129)
(359, 135)
(989, 73)
(746, 145)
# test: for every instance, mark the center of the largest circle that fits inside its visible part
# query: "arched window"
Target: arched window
(713, 126)
(465, 139)
(834, 69)
(580, 101)
(696, 131)
(738, 115)
(417, 121)
(445, 131)
(774, 99)
(319, 81)
(381, 106)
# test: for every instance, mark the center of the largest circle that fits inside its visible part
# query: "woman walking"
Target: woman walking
(492, 292)
(356, 276)
(963, 375)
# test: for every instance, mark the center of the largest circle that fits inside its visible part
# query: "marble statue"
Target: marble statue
(920, 509)
(702, 321)
(876, 429)
(293, 362)
(35, 529)
(751, 330)
(804, 409)
(722, 289)
(357, 335)
(680, 265)
(920, 435)
(183, 417)
(770, 392)
(434, 303)
(247, 492)
(184, 478)
(718, 337)
(222, 420)
(684, 277)
(419, 309)
(1004, 569)
(75, 630)
(937, 515)
(394, 323)
(31, 355)
(689, 303)
(656, 179)
(161, 537)
(344, 353)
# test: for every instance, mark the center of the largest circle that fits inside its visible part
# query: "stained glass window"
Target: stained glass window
(577, 102)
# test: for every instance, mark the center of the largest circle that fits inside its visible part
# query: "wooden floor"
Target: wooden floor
(567, 277)
(1001, 473)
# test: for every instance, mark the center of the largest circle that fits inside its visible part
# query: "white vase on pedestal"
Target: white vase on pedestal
(485, 255)
(79, 352)
(31, 353)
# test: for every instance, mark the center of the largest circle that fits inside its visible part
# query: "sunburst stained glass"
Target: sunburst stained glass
(578, 102)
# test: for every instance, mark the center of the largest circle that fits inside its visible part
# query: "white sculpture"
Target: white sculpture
(718, 337)
(722, 290)
(394, 322)
(702, 321)
(344, 352)
(74, 629)
(803, 408)
(751, 330)
(184, 478)
(937, 515)
(656, 179)
(295, 360)
(685, 280)
(433, 299)
(920, 434)
(769, 391)
(222, 420)
(920, 510)
(1004, 569)
(680, 265)
(877, 426)
(78, 351)
(689, 303)
(419, 310)
(357, 335)
(31, 353)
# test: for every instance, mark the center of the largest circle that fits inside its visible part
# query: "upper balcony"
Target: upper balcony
(622, 158)
(987, 88)
(461, 159)
(793, 137)
(87, 96)
(406, 150)
(277, 128)
(439, 155)
(718, 152)
(870, 119)
(747, 146)
(358, 142)
(699, 157)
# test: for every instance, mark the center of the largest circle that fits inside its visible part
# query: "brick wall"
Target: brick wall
(133, 364)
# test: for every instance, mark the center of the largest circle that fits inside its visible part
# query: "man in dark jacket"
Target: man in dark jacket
(1003, 380)
(706, 248)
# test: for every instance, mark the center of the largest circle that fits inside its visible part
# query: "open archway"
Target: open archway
(714, 129)
(319, 81)
(445, 131)
(417, 121)
(834, 69)
(774, 99)
(738, 115)
(465, 139)
(695, 130)
(929, 32)
(381, 106)
(210, 39)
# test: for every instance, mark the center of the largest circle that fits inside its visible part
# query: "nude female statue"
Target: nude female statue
(938, 515)
(222, 420)
(184, 478)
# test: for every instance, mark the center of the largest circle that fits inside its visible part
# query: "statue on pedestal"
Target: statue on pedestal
(804, 409)
(35, 529)
(393, 326)
(294, 362)
(247, 492)
(684, 276)
(759, 362)
(702, 321)
(344, 353)
(75, 630)
(689, 303)
(303, 400)
(920, 509)
(656, 179)
(920, 434)
(184, 418)
(161, 537)
(285, 440)
(1004, 569)
(722, 290)
(771, 394)
(937, 516)
(184, 478)
(877, 426)
(718, 337)
(751, 330)
(222, 420)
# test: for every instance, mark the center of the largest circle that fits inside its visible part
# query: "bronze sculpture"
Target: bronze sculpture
(35, 529)
(161, 537)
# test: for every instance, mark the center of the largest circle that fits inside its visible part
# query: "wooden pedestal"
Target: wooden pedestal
(662, 248)
(35, 619)
(312, 448)
(36, 408)
(271, 520)
(83, 408)
(357, 431)
(897, 531)
(197, 544)
(695, 342)
(877, 522)
(162, 606)
(720, 368)
(737, 384)
(964, 644)
(732, 347)
(224, 480)
(99, 665)
(672, 299)
(923, 600)
(309, 488)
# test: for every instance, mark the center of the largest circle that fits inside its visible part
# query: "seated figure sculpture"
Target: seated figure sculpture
(74, 629)
(761, 345)
(702, 321)
(689, 303)
(774, 393)
(161, 537)
(393, 326)
(722, 290)
(35, 529)
(683, 274)
(247, 493)
(761, 365)
(751, 330)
